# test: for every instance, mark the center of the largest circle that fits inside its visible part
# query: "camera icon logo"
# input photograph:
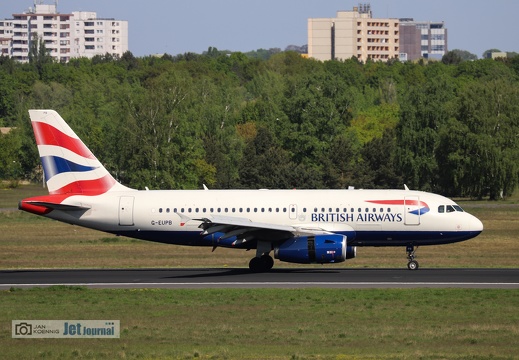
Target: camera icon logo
(23, 328)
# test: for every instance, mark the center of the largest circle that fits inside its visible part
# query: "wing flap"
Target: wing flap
(215, 220)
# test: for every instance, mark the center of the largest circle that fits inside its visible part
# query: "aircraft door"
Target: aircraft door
(292, 212)
(126, 210)
(412, 210)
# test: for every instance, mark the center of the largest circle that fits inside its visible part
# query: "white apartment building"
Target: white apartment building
(353, 33)
(66, 36)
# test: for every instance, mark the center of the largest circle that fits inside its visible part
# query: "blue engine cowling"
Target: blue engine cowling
(320, 249)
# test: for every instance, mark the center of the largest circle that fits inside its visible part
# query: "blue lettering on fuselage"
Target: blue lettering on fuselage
(345, 217)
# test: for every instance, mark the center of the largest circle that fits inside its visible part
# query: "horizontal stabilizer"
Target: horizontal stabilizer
(42, 205)
(62, 207)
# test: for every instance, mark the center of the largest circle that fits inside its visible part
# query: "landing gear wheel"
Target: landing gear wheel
(268, 261)
(412, 265)
(261, 264)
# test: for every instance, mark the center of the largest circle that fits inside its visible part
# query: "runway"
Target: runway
(277, 278)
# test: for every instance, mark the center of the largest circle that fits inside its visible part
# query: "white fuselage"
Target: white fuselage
(367, 217)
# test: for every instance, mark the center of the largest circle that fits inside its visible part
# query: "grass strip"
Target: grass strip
(271, 323)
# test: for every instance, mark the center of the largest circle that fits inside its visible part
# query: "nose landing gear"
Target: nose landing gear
(412, 264)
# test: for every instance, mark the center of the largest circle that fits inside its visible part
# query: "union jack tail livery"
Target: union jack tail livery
(297, 226)
(69, 166)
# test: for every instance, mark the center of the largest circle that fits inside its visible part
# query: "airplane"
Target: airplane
(297, 226)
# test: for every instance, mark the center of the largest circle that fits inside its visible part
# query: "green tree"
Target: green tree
(488, 163)
(10, 164)
(39, 55)
(423, 112)
(456, 56)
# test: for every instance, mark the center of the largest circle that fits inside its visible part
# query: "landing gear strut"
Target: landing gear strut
(261, 264)
(412, 264)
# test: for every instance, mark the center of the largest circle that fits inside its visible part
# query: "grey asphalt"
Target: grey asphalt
(276, 278)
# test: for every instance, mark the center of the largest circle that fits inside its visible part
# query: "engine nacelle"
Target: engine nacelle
(319, 249)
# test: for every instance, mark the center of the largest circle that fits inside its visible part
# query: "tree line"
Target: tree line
(237, 121)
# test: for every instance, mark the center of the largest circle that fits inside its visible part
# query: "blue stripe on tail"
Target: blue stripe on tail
(53, 165)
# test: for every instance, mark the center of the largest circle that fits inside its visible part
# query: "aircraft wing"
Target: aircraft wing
(246, 230)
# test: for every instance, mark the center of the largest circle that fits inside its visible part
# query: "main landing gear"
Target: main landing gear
(412, 264)
(261, 264)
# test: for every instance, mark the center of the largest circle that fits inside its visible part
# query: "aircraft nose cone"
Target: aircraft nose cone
(476, 224)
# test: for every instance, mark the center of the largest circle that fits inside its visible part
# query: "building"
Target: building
(357, 33)
(66, 36)
(495, 55)
(353, 33)
(422, 39)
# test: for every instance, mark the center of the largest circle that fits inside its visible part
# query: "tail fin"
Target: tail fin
(69, 166)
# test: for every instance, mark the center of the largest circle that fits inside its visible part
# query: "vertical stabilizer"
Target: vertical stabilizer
(69, 166)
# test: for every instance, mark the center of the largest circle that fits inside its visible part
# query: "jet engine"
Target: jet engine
(318, 249)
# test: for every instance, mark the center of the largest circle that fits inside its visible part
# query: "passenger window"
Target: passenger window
(160, 210)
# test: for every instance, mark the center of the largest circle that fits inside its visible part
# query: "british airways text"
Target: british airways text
(344, 217)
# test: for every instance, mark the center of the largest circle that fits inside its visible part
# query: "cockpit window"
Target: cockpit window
(449, 208)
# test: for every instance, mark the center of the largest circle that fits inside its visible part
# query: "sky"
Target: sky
(180, 26)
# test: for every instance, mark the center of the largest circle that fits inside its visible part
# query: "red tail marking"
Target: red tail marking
(46, 134)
